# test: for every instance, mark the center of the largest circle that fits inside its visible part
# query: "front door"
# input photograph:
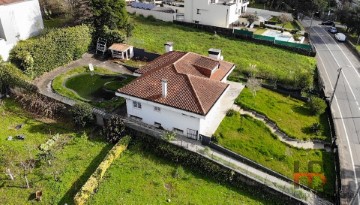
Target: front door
(193, 134)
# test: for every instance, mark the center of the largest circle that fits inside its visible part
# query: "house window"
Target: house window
(178, 131)
(137, 104)
(192, 133)
(157, 109)
(197, 11)
(135, 117)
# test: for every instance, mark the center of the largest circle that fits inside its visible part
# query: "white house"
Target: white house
(19, 20)
(179, 91)
(220, 13)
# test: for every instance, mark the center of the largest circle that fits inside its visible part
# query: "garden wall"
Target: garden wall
(169, 17)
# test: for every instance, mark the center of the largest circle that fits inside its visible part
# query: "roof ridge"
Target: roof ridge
(188, 76)
(203, 56)
(186, 53)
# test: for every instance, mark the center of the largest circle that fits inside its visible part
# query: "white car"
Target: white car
(340, 37)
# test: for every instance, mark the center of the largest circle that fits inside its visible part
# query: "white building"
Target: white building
(220, 13)
(178, 91)
(19, 20)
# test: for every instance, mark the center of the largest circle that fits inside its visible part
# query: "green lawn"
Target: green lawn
(139, 177)
(252, 139)
(291, 115)
(56, 22)
(75, 157)
(82, 85)
(271, 62)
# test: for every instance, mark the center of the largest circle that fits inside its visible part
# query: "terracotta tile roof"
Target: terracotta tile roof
(4, 2)
(188, 89)
(118, 46)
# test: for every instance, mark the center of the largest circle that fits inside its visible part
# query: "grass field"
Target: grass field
(75, 157)
(139, 177)
(56, 22)
(252, 139)
(79, 84)
(271, 62)
(291, 115)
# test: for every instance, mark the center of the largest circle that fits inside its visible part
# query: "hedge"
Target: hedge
(51, 50)
(93, 182)
(11, 76)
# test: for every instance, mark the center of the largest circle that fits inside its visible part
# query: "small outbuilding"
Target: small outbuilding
(122, 51)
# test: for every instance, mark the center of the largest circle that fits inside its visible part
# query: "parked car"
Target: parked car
(333, 30)
(328, 23)
(340, 37)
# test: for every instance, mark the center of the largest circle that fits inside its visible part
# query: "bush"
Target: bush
(13, 77)
(315, 128)
(82, 114)
(93, 182)
(230, 112)
(169, 136)
(51, 50)
(316, 105)
(114, 129)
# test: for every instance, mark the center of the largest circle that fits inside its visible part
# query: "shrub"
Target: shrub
(82, 114)
(169, 136)
(315, 128)
(11, 76)
(230, 112)
(316, 105)
(93, 182)
(51, 50)
(39, 104)
(114, 129)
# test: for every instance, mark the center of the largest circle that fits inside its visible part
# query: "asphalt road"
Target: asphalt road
(331, 55)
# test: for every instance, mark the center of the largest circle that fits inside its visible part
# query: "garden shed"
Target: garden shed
(122, 51)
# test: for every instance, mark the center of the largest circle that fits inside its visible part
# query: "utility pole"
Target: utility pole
(337, 80)
(312, 16)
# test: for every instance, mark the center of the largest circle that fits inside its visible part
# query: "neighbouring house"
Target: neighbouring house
(19, 20)
(122, 51)
(179, 91)
(220, 13)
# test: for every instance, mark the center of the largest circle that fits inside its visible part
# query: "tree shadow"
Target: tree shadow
(302, 110)
(69, 195)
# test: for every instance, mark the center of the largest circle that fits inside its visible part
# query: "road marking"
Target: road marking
(342, 120)
(351, 90)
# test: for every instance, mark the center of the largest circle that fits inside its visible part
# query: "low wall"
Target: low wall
(169, 17)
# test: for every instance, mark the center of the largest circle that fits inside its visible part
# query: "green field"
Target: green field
(75, 157)
(272, 63)
(291, 115)
(139, 177)
(252, 139)
(82, 85)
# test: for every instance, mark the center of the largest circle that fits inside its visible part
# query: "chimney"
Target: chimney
(164, 87)
(215, 54)
(168, 46)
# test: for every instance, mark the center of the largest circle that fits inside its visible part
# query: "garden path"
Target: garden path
(311, 144)
(44, 81)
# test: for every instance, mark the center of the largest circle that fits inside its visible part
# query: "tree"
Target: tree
(114, 129)
(82, 114)
(316, 105)
(110, 16)
(254, 85)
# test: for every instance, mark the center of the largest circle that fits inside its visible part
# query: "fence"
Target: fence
(304, 49)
